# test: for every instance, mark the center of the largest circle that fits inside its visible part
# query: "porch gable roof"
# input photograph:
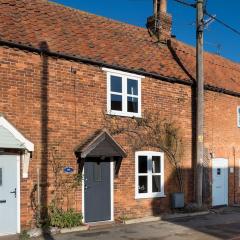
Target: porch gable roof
(102, 145)
(11, 138)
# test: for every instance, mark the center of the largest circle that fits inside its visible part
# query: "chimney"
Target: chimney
(160, 24)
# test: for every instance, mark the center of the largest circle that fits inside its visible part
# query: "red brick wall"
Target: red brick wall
(49, 104)
(222, 136)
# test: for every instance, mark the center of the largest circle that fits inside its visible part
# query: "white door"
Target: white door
(9, 194)
(219, 181)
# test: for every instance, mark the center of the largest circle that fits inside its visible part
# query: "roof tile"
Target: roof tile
(78, 33)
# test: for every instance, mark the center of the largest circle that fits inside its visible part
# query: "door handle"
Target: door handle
(14, 192)
(3, 201)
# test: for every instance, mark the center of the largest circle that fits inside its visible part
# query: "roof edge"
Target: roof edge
(92, 14)
(93, 62)
(102, 64)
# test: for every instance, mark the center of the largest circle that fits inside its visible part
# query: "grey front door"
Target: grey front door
(97, 190)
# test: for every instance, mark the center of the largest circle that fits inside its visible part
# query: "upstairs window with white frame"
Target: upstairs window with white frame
(149, 177)
(238, 116)
(123, 93)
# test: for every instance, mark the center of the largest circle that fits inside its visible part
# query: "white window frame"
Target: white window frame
(238, 172)
(149, 155)
(124, 94)
(1, 176)
(238, 117)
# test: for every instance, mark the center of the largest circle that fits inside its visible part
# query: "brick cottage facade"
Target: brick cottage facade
(63, 72)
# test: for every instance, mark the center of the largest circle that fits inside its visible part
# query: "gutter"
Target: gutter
(113, 66)
(92, 62)
(221, 90)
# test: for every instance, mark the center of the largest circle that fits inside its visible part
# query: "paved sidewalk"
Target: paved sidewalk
(220, 224)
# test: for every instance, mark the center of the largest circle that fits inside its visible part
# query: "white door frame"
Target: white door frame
(18, 195)
(18, 190)
(226, 180)
(111, 193)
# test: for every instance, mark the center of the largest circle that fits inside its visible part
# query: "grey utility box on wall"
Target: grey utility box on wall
(178, 200)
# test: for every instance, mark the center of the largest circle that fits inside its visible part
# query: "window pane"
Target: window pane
(132, 87)
(0, 176)
(132, 104)
(142, 164)
(142, 184)
(156, 183)
(156, 164)
(116, 84)
(116, 102)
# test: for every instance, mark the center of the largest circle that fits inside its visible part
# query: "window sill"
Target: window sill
(146, 196)
(123, 114)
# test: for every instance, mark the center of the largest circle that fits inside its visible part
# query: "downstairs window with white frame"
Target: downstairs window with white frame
(149, 174)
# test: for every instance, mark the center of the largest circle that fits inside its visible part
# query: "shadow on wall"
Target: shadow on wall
(44, 136)
(159, 205)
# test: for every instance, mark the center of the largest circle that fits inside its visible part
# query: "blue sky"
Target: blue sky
(217, 38)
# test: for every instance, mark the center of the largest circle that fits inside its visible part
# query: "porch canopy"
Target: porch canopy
(11, 138)
(101, 145)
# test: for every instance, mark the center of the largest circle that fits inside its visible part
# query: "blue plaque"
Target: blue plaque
(68, 169)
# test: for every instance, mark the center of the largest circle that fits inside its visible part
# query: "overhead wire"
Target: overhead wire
(210, 15)
(186, 3)
(214, 18)
(222, 23)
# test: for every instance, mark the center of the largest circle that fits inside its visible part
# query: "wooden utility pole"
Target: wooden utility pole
(200, 102)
